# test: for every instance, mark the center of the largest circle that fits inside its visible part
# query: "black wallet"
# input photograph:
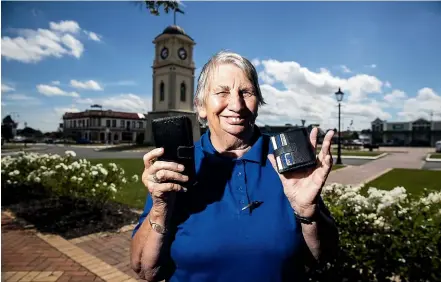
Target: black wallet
(293, 150)
(175, 135)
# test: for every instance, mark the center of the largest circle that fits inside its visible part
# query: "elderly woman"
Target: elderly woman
(242, 221)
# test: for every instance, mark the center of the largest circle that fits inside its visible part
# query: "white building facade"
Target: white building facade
(104, 126)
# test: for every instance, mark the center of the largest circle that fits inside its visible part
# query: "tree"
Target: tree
(9, 127)
(154, 7)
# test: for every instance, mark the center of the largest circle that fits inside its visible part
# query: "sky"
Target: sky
(385, 56)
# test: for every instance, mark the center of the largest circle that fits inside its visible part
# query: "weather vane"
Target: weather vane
(174, 14)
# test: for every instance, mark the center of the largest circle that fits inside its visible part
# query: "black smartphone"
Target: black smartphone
(175, 135)
(293, 150)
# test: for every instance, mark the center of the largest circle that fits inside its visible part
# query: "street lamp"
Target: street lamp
(339, 96)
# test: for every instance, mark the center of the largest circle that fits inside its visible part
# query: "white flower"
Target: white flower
(103, 171)
(135, 178)
(70, 153)
(94, 172)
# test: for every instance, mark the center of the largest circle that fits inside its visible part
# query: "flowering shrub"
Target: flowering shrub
(384, 235)
(63, 176)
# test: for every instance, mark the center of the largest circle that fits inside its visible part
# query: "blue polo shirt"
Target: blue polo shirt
(215, 240)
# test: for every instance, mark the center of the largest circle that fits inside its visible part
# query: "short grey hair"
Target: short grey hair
(224, 57)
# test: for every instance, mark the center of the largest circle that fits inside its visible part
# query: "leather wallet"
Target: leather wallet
(175, 135)
(293, 150)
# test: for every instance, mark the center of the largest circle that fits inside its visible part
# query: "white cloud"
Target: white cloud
(255, 62)
(305, 94)
(55, 82)
(65, 26)
(20, 99)
(93, 36)
(7, 88)
(49, 90)
(32, 46)
(345, 69)
(60, 111)
(396, 97)
(89, 85)
(122, 83)
(387, 84)
(123, 102)
(426, 102)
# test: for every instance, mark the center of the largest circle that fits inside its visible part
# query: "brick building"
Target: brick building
(104, 126)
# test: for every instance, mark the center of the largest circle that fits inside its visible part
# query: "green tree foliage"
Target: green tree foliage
(155, 7)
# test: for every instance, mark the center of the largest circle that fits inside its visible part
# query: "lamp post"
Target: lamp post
(339, 96)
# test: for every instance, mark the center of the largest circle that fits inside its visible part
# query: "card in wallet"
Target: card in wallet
(293, 150)
(175, 135)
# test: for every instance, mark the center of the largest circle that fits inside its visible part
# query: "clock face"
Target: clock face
(182, 53)
(164, 53)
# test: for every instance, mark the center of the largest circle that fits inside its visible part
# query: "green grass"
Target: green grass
(362, 153)
(435, 156)
(135, 194)
(413, 180)
(358, 153)
(336, 166)
(7, 147)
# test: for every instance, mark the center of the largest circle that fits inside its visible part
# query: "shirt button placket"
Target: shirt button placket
(241, 184)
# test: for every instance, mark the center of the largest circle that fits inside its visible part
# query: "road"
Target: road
(91, 153)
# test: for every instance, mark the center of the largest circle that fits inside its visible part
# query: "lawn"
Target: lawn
(336, 166)
(435, 156)
(358, 153)
(135, 195)
(413, 180)
(362, 153)
(9, 146)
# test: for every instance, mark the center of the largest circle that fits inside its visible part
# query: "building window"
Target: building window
(114, 123)
(75, 123)
(133, 124)
(128, 125)
(183, 91)
(162, 92)
(139, 124)
(108, 123)
(121, 123)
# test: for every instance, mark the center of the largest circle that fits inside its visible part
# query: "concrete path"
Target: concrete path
(354, 175)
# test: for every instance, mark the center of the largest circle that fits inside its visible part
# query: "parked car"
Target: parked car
(438, 146)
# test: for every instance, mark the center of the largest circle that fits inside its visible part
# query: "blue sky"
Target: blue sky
(384, 55)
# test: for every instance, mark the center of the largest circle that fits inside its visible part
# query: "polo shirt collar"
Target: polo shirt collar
(256, 154)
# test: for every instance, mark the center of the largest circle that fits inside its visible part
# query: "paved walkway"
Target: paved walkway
(31, 256)
(355, 175)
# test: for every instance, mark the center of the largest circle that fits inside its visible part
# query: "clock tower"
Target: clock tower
(173, 78)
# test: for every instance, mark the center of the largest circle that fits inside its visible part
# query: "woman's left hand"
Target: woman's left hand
(302, 188)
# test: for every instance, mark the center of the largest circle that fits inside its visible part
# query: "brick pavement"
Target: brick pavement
(26, 257)
(355, 175)
(30, 256)
(113, 249)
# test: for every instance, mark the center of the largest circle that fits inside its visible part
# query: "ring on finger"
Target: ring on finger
(152, 161)
(155, 178)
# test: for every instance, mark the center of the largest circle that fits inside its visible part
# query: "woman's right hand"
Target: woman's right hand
(157, 177)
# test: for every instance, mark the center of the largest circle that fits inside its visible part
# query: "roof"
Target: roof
(107, 113)
(175, 30)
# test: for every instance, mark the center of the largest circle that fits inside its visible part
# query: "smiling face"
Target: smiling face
(230, 104)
